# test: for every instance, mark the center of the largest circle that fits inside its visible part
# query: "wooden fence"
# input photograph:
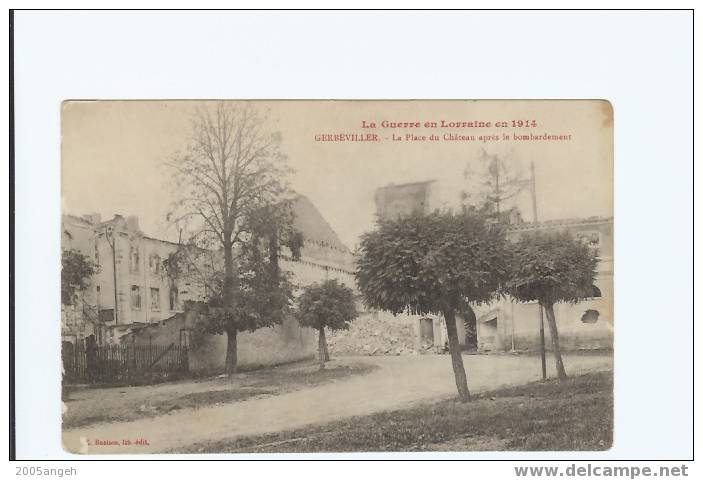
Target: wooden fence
(122, 363)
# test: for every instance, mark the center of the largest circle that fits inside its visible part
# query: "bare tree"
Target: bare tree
(231, 171)
(492, 181)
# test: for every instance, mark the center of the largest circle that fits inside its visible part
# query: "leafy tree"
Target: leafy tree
(433, 264)
(263, 293)
(261, 299)
(551, 268)
(326, 305)
(76, 272)
(229, 183)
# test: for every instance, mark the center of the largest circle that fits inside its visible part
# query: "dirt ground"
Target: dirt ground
(87, 406)
(395, 383)
(574, 415)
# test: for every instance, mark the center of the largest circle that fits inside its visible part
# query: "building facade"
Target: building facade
(588, 324)
(508, 325)
(131, 286)
(149, 301)
(407, 199)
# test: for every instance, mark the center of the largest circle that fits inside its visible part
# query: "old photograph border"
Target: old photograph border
(263, 457)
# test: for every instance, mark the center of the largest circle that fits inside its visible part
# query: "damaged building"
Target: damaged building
(133, 299)
(503, 325)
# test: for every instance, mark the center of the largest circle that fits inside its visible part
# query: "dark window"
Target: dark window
(134, 259)
(155, 264)
(590, 316)
(173, 298)
(136, 296)
(155, 299)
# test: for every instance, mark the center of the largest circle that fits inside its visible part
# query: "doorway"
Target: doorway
(488, 334)
(426, 330)
(471, 336)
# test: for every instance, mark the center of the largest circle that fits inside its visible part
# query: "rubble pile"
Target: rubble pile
(369, 335)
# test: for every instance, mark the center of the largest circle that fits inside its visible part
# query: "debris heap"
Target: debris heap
(369, 335)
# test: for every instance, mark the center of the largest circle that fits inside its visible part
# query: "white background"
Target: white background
(641, 62)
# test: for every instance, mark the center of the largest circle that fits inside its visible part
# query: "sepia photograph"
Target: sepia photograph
(274, 276)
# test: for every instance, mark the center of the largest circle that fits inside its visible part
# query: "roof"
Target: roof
(75, 218)
(310, 222)
(130, 325)
(147, 237)
(409, 184)
(563, 222)
(307, 219)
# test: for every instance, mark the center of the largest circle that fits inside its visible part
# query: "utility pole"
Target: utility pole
(495, 163)
(109, 235)
(534, 193)
(542, 350)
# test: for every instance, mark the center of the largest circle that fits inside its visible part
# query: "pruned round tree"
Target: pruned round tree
(434, 264)
(326, 305)
(552, 267)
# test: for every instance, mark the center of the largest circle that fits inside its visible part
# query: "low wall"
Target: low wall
(504, 325)
(283, 343)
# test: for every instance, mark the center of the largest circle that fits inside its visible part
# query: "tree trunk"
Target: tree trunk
(230, 329)
(273, 254)
(455, 352)
(326, 350)
(321, 347)
(231, 358)
(551, 321)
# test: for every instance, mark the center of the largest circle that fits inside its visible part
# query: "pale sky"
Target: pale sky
(113, 154)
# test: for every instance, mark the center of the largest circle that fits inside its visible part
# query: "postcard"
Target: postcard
(250, 276)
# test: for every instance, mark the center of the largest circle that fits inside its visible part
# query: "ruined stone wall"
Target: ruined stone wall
(378, 333)
(406, 199)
